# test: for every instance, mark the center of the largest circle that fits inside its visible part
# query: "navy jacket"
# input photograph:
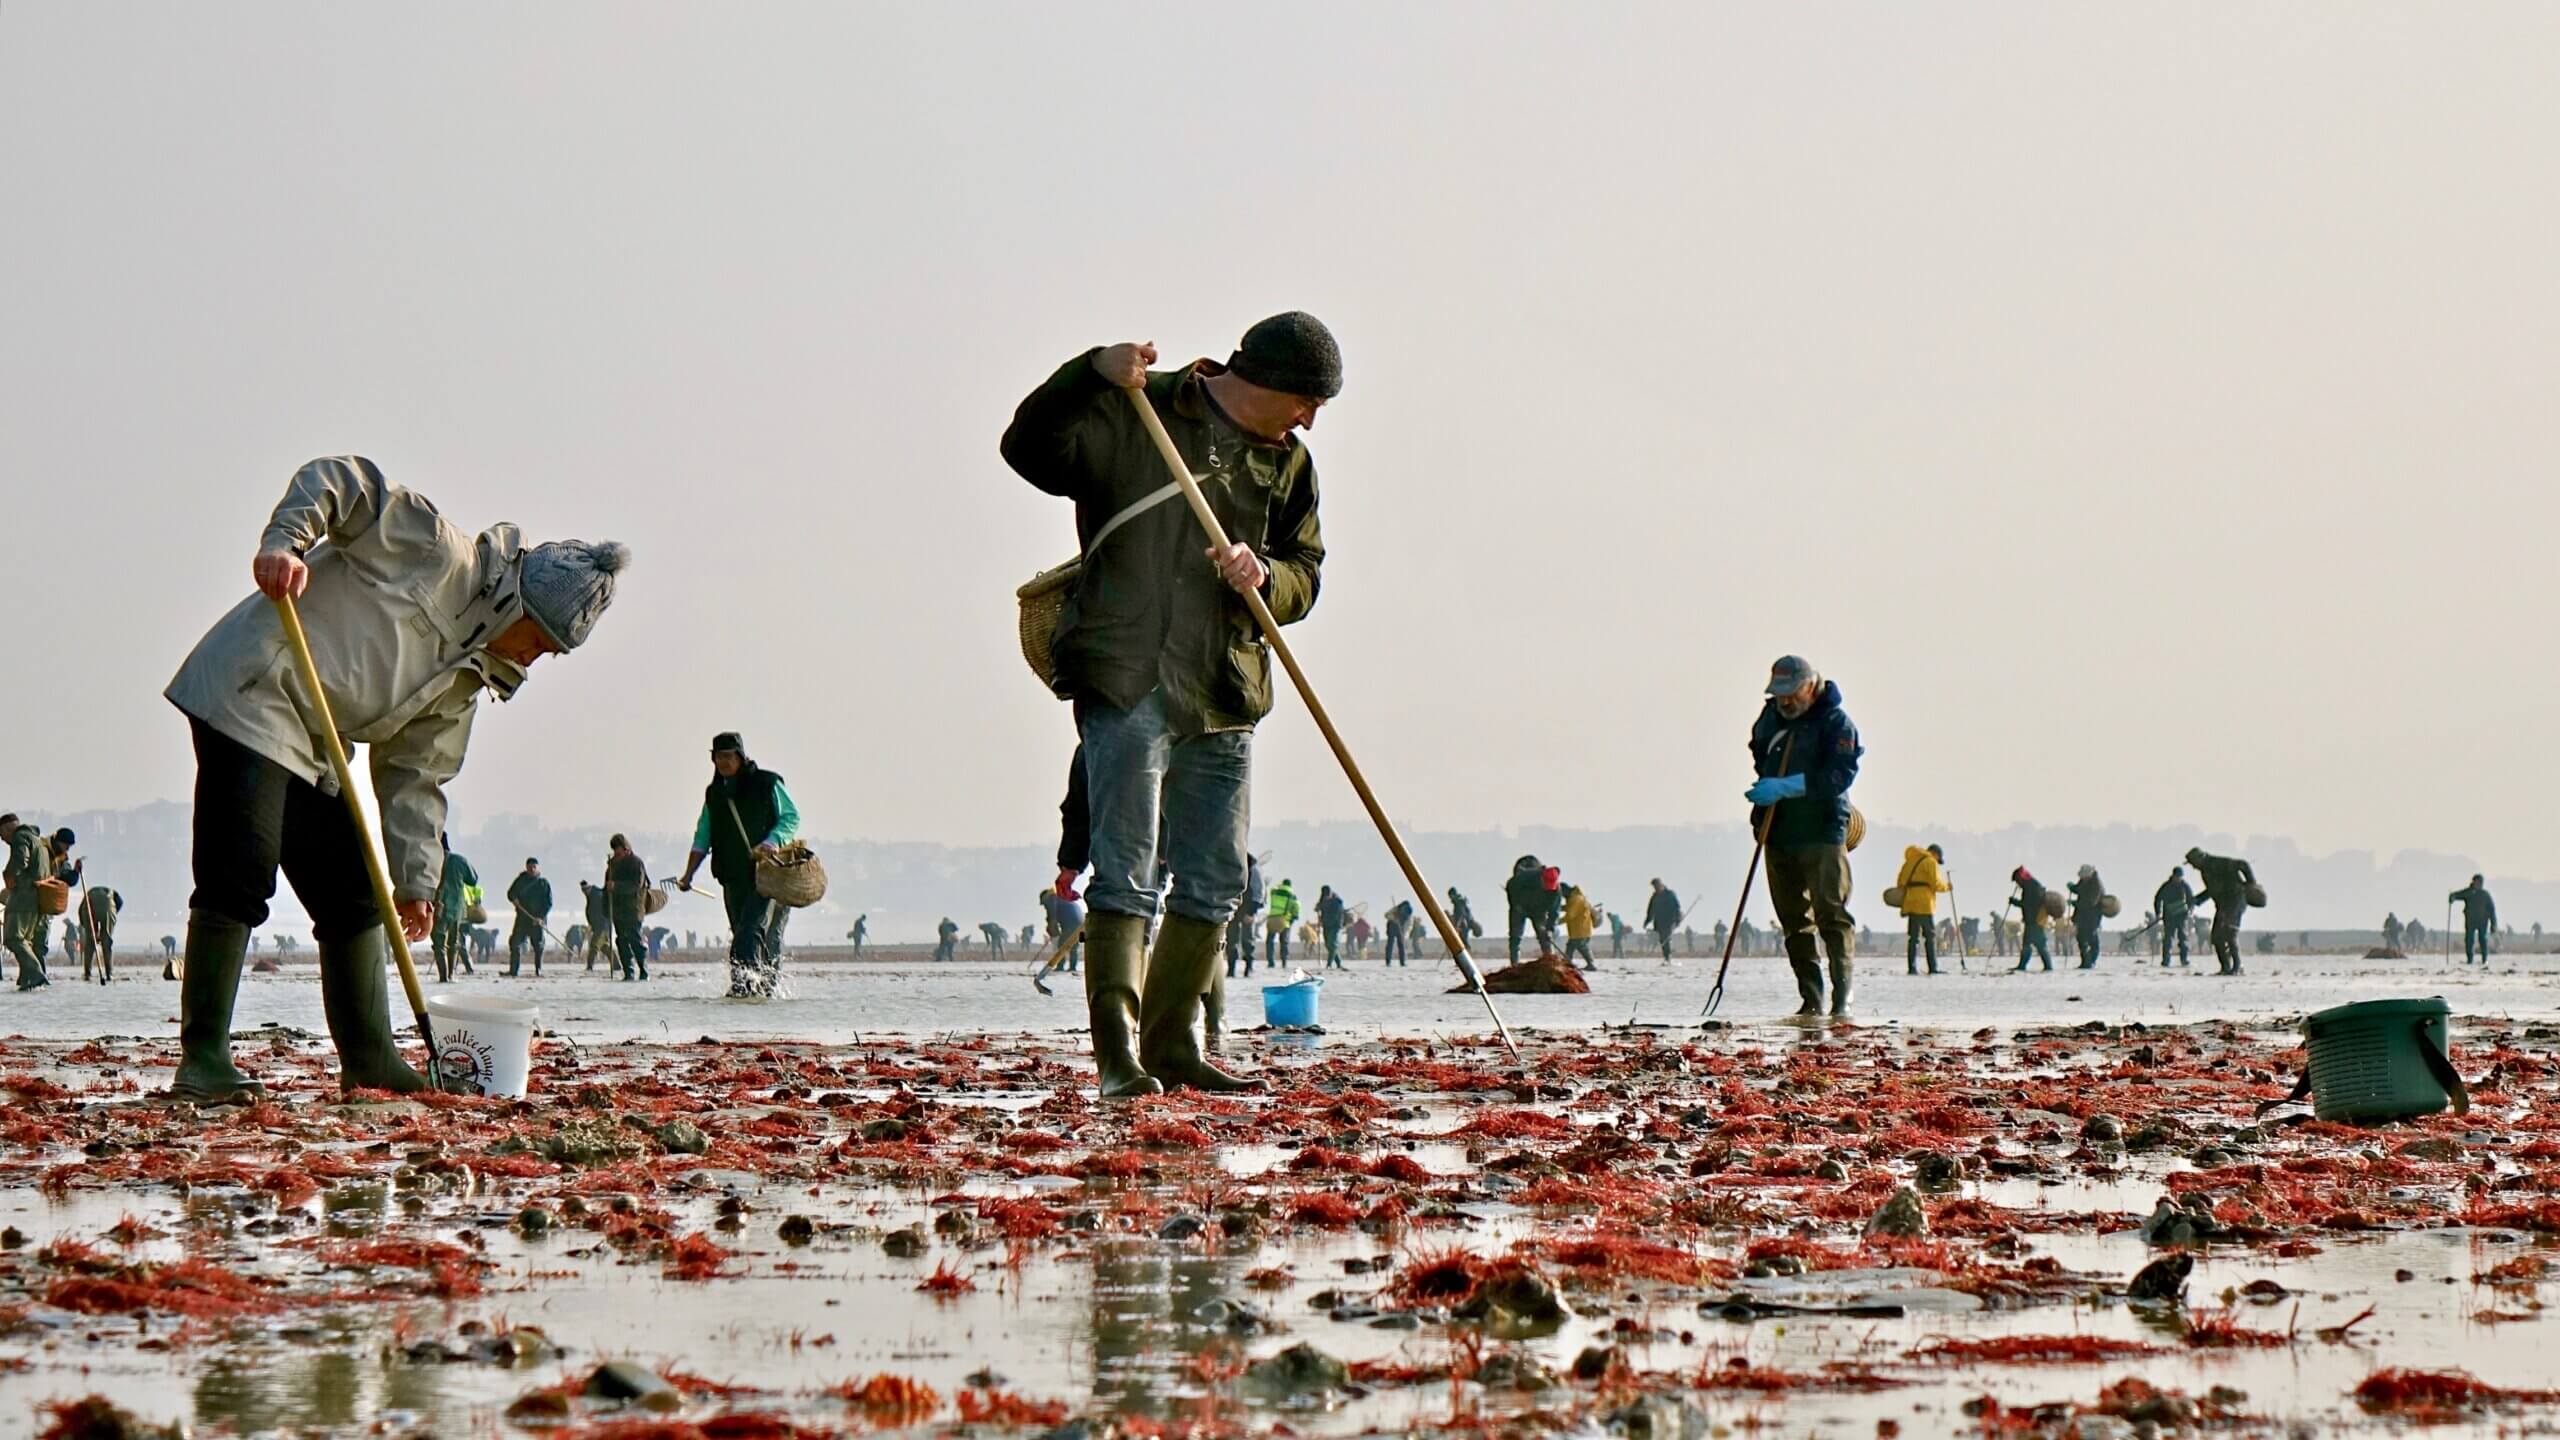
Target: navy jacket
(1826, 754)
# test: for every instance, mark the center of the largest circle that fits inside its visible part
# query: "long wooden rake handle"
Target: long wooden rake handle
(1262, 616)
(302, 661)
(1759, 843)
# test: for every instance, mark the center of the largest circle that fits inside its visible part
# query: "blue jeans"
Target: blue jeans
(1193, 791)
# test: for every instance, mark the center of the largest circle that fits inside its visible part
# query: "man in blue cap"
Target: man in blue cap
(1805, 750)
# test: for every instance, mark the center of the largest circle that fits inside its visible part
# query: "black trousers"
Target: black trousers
(755, 926)
(630, 946)
(254, 817)
(528, 931)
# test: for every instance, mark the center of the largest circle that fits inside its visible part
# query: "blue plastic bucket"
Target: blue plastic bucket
(1293, 1004)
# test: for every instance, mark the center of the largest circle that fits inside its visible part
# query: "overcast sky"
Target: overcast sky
(2145, 412)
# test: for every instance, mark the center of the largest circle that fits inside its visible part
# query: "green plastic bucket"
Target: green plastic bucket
(2380, 1060)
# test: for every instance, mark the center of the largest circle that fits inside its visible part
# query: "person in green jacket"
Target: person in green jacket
(946, 940)
(453, 887)
(30, 862)
(1280, 920)
(746, 816)
(1159, 650)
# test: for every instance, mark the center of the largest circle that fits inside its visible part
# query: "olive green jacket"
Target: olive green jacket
(1149, 611)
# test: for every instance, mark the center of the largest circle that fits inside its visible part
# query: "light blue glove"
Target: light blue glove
(1772, 789)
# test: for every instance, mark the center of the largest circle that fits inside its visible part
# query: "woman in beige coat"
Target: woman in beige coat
(410, 619)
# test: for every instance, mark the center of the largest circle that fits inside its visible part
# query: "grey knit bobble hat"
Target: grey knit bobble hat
(1292, 353)
(567, 584)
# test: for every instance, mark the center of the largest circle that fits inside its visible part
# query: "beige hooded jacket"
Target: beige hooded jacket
(400, 604)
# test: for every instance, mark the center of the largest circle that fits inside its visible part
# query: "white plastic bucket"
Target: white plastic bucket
(484, 1042)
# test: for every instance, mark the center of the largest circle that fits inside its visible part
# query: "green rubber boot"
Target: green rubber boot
(1213, 1013)
(1177, 977)
(358, 1004)
(1115, 970)
(217, 951)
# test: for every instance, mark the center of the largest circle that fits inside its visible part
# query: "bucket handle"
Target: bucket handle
(2437, 1066)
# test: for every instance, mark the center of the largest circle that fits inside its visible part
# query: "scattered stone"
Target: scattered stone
(1935, 1172)
(796, 1230)
(1546, 975)
(533, 1220)
(1511, 1370)
(1515, 1302)
(633, 1384)
(2163, 1281)
(94, 1417)
(1597, 1361)
(2102, 1129)
(1658, 1418)
(1899, 1217)
(1300, 1373)
(905, 1244)
(681, 1137)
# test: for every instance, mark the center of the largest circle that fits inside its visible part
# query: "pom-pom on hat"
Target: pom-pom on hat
(568, 584)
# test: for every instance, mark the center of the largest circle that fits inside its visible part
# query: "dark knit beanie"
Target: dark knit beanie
(1292, 353)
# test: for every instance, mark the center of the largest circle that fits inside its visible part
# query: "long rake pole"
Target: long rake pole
(381, 877)
(1964, 953)
(1759, 843)
(1262, 616)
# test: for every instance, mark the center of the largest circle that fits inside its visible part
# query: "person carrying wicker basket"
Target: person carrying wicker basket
(746, 814)
(1158, 652)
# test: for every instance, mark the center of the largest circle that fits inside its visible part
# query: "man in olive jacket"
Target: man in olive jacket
(30, 862)
(529, 894)
(1160, 655)
(2227, 881)
(410, 619)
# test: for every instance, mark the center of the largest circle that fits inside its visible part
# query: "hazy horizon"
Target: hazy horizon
(2141, 412)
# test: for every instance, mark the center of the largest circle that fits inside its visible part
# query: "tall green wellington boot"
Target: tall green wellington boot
(1177, 976)
(1801, 953)
(358, 1004)
(1115, 969)
(217, 951)
(1213, 1013)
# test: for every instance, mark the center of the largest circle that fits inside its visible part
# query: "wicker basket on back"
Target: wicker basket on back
(53, 896)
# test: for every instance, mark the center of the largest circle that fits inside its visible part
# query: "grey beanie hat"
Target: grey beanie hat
(1292, 353)
(567, 584)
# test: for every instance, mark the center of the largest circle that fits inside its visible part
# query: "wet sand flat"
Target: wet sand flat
(1652, 1231)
